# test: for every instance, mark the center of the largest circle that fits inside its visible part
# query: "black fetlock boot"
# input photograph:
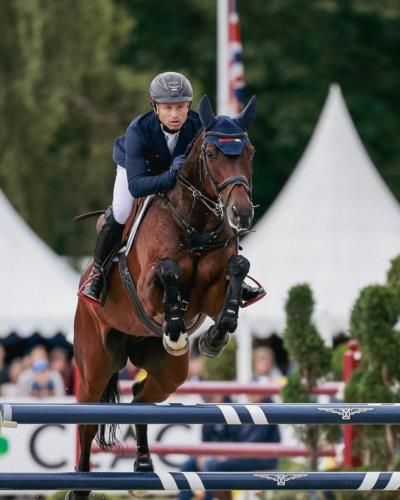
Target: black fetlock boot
(251, 294)
(107, 240)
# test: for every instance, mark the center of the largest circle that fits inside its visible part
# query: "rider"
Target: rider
(148, 158)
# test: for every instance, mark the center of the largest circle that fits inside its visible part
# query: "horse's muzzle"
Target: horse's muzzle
(240, 217)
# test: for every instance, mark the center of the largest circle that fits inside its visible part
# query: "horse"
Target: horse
(185, 266)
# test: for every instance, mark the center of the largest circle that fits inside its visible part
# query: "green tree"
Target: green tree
(311, 359)
(72, 75)
(290, 71)
(63, 99)
(373, 318)
(393, 275)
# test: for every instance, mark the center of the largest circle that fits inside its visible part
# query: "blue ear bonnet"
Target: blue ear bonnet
(227, 135)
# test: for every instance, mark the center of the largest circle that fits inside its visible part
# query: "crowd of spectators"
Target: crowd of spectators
(37, 373)
(42, 371)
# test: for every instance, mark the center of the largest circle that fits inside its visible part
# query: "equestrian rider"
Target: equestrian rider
(148, 158)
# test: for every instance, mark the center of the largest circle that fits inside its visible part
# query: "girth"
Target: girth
(130, 286)
(132, 292)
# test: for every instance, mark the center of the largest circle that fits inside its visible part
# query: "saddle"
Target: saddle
(139, 208)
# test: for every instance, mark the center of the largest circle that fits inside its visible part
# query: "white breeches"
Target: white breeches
(122, 198)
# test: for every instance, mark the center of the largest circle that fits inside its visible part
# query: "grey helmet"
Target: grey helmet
(171, 87)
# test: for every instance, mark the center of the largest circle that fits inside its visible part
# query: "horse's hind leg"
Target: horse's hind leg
(175, 338)
(96, 379)
(165, 373)
(214, 340)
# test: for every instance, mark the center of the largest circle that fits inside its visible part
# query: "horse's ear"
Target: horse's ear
(247, 115)
(206, 112)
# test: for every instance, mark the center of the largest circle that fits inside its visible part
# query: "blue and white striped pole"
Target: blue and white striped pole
(175, 481)
(236, 414)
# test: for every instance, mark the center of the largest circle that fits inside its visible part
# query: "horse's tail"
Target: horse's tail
(106, 436)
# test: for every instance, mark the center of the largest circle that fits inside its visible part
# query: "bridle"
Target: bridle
(209, 241)
(217, 207)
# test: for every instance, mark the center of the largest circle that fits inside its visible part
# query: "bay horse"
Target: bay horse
(186, 266)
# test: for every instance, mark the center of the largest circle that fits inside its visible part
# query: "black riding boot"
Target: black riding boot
(108, 238)
(251, 294)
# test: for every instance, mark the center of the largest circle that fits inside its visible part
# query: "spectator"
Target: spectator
(243, 434)
(3, 369)
(265, 369)
(248, 434)
(209, 433)
(38, 359)
(15, 369)
(59, 362)
(42, 385)
(196, 368)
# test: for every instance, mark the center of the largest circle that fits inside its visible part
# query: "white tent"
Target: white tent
(38, 290)
(335, 225)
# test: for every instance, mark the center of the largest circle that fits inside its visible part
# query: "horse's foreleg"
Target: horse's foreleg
(214, 340)
(175, 338)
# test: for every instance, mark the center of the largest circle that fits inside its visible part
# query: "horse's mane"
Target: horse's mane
(193, 141)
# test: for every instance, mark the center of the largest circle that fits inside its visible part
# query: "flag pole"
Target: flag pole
(222, 57)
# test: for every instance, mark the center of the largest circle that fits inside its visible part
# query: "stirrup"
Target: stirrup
(88, 298)
(261, 294)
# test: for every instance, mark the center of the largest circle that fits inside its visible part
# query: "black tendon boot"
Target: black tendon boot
(107, 240)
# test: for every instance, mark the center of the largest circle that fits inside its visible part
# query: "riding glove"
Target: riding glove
(177, 164)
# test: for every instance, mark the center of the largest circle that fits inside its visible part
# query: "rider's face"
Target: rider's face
(173, 115)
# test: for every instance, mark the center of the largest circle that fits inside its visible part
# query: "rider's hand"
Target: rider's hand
(177, 163)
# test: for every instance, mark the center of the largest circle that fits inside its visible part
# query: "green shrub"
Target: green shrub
(311, 359)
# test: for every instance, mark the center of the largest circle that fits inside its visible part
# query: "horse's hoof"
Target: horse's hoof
(143, 464)
(209, 348)
(77, 495)
(137, 493)
(178, 348)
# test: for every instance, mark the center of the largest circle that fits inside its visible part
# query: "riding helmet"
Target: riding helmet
(171, 87)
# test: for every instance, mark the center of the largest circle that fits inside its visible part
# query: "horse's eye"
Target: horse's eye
(209, 154)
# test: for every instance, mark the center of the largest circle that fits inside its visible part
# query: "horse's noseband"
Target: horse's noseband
(235, 180)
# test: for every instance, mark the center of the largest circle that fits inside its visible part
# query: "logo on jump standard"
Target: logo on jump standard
(346, 413)
(281, 478)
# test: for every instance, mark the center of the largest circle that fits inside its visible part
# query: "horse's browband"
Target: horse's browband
(221, 134)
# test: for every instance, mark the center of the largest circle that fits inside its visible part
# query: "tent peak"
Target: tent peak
(335, 90)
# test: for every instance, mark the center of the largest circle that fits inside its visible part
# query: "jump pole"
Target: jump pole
(175, 481)
(234, 414)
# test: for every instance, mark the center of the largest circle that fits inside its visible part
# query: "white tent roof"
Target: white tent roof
(38, 290)
(335, 225)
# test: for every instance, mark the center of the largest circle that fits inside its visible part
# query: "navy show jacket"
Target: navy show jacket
(144, 153)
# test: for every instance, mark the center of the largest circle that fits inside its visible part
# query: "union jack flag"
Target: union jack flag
(235, 67)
